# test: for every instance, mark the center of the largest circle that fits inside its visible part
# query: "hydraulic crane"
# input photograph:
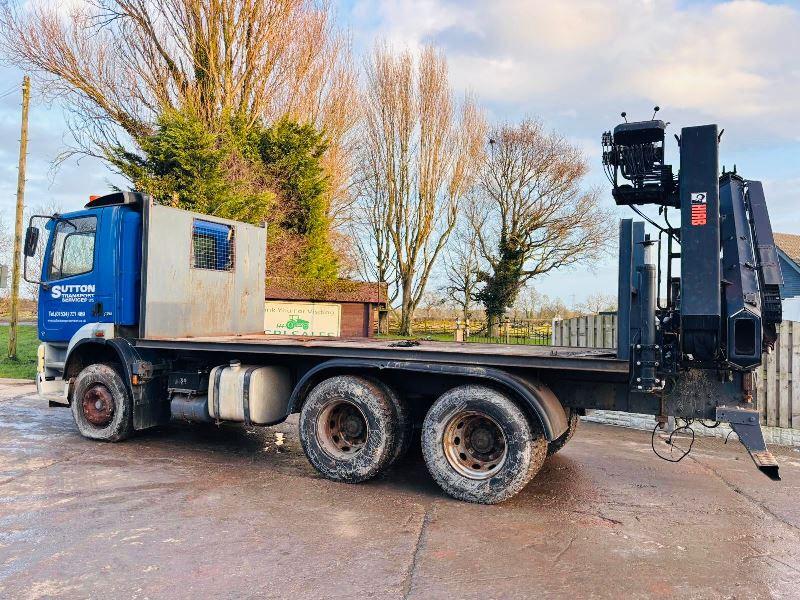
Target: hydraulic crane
(698, 344)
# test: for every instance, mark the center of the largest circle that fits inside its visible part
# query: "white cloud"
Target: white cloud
(734, 61)
(577, 63)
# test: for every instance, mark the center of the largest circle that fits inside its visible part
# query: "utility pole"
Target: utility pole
(23, 155)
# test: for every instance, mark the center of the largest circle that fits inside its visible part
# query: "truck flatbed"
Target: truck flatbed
(590, 360)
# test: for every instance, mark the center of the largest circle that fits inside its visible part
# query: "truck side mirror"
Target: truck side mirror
(31, 241)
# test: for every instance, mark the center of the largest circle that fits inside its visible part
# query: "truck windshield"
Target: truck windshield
(72, 251)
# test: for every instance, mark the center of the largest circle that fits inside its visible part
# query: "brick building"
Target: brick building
(361, 302)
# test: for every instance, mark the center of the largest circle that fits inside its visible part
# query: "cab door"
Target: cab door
(71, 293)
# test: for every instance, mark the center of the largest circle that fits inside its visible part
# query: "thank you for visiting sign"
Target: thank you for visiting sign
(302, 318)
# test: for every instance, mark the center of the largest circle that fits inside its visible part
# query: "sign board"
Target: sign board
(322, 319)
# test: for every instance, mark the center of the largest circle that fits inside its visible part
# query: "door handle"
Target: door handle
(97, 311)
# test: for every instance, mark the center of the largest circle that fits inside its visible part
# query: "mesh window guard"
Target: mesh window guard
(213, 246)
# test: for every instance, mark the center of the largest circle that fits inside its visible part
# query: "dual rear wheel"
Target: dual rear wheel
(478, 445)
(353, 428)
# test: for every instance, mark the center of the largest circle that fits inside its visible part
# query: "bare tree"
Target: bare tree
(118, 64)
(462, 266)
(376, 260)
(540, 219)
(6, 239)
(421, 150)
(597, 303)
(534, 305)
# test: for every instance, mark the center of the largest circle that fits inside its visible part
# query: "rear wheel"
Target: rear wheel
(405, 426)
(558, 443)
(479, 446)
(101, 404)
(351, 428)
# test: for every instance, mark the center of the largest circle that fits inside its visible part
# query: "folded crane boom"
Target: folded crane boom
(699, 349)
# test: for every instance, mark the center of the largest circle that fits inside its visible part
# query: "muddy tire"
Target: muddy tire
(479, 446)
(405, 426)
(558, 443)
(101, 404)
(349, 428)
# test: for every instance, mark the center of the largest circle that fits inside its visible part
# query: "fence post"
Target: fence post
(784, 410)
(794, 361)
(614, 330)
(771, 400)
(761, 392)
(459, 331)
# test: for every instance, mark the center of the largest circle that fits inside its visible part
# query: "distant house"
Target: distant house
(789, 256)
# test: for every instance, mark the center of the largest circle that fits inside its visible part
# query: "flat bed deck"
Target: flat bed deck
(485, 355)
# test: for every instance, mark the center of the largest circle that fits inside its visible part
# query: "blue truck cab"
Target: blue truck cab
(96, 284)
(91, 271)
(90, 276)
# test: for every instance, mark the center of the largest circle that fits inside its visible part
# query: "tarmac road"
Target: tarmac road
(190, 511)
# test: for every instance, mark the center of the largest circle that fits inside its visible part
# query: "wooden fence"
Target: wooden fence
(777, 382)
(589, 331)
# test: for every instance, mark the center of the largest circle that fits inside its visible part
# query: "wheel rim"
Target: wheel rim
(474, 445)
(98, 405)
(342, 429)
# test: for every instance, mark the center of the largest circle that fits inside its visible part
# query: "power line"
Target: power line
(8, 92)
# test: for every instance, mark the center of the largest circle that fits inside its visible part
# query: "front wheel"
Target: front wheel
(479, 446)
(101, 404)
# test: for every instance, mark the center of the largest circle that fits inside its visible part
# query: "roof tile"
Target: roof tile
(789, 243)
(339, 290)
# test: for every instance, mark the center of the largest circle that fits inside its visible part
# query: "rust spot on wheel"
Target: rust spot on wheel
(474, 445)
(342, 429)
(98, 405)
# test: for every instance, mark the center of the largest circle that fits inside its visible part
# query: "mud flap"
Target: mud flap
(744, 421)
(151, 405)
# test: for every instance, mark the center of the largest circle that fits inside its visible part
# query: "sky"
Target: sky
(575, 65)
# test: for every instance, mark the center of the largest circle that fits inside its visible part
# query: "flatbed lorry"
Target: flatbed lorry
(148, 313)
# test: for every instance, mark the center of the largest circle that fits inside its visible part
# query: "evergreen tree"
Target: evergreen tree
(292, 154)
(253, 173)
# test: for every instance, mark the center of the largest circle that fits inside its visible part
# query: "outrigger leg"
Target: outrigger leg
(744, 421)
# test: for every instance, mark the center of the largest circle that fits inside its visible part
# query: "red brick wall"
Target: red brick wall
(356, 319)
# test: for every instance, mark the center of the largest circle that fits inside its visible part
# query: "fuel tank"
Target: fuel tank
(249, 393)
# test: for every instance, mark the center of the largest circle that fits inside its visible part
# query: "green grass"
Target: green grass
(24, 366)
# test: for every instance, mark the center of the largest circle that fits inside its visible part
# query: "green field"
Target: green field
(24, 367)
